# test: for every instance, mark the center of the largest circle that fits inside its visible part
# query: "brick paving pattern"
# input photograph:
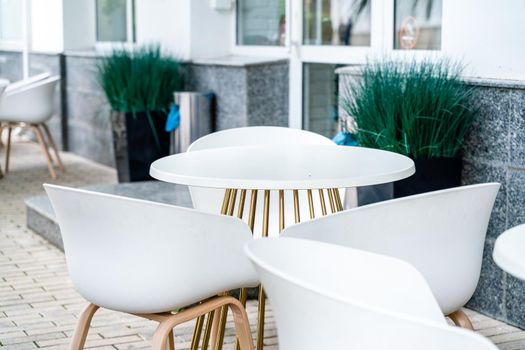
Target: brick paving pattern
(38, 305)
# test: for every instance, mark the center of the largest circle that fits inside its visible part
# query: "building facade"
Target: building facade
(274, 62)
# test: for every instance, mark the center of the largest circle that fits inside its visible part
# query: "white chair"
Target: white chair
(28, 81)
(209, 200)
(148, 258)
(3, 84)
(31, 105)
(326, 296)
(509, 251)
(441, 233)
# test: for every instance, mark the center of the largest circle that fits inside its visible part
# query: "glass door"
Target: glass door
(325, 34)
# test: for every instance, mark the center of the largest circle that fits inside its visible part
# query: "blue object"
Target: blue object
(173, 121)
(345, 139)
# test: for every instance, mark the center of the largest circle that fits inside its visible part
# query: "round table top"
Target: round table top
(283, 167)
(509, 251)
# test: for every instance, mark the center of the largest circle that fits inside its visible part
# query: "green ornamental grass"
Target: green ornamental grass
(142, 79)
(417, 108)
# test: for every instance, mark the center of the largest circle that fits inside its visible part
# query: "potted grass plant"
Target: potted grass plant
(420, 109)
(139, 85)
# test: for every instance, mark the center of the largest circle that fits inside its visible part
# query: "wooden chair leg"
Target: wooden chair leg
(2, 126)
(171, 342)
(82, 328)
(242, 325)
(8, 147)
(241, 321)
(461, 319)
(53, 146)
(40, 138)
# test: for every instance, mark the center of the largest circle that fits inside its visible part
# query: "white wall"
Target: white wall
(488, 35)
(211, 30)
(47, 26)
(187, 28)
(166, 22)
(79, 24)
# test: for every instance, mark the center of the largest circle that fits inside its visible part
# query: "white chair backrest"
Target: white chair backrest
(210, 200)
(258, 135)
(25, 82)
(331, 297)
(142, 257)
(32, 103)
(3, 85)
(441, 233)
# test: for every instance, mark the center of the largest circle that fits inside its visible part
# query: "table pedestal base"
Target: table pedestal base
(216, 320)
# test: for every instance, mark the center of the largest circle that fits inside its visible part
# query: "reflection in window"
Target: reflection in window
(112, 20)
(418, 24)
(10, 20)
(336, 22)
(261, 22)
(319, 98)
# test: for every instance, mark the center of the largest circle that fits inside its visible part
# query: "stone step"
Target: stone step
(41, 217)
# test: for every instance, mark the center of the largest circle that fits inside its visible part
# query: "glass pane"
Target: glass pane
(261, 22)
(11, 20)
(111, 20)
(418, 24)
(336, 22)
(319, 98)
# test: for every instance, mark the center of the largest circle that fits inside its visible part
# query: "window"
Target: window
(261, 22)
(319, 98)
(11, 21)
(115, 20)
(418, 24)
(336, 22)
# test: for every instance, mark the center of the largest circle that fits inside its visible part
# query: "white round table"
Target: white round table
(509, 251)
(282, 170)
(283, 167)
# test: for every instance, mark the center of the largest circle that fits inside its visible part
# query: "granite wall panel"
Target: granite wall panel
(494, 151)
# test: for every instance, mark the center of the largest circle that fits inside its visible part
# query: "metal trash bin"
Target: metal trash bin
(196, 119)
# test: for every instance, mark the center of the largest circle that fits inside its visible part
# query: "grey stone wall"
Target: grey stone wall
(249, 91)
(494, 152)
(11, 65)
(89, 129)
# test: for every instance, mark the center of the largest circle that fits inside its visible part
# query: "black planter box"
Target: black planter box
(431, 175)
(134, 143)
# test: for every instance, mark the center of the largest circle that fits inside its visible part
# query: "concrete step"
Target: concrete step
(41, 217)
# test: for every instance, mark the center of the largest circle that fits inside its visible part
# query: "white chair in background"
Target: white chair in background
(31, 105)
(509, 251)
(148, 259)
(209, 199)
(3, 84)
(326, 296)
(440, 233)
(28, 81)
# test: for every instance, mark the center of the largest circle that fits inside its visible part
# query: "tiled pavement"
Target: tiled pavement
(38, 305)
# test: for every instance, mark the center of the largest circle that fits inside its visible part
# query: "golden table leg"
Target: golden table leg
(216, 322)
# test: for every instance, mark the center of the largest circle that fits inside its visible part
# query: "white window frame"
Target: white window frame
(130, 30)
(381, 42)
(261, 50)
